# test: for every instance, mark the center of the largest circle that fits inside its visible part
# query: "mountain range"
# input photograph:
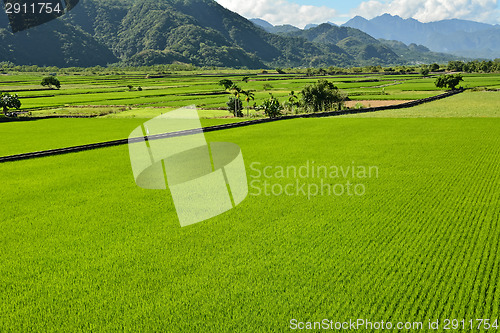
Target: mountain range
(148, 32)
(458, 37)
(361, 46)
(200, 32)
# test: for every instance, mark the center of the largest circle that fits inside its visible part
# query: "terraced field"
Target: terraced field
(83, 248)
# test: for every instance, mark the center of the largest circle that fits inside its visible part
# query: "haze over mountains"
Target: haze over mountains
(200, 32)
(459, 37)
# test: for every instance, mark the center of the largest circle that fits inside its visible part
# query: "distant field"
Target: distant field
(467, 104)
(27, 136)
(177, 90)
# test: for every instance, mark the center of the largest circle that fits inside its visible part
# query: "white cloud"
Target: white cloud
(432, 10)
(280, 11)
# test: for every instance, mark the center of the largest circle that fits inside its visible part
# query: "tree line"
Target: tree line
(475, 66)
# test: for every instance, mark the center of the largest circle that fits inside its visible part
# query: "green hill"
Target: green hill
(362, 47)
(200, 32)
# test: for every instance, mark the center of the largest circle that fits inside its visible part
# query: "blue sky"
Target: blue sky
(302, 12)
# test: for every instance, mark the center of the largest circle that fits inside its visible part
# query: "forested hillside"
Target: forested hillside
(362, 47)
(199, 32)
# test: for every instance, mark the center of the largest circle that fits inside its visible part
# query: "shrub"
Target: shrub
(267, 86)
(272, 107)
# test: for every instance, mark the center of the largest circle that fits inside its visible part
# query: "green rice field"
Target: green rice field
(177, 90)
(84, 249)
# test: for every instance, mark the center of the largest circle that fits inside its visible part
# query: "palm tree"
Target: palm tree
(293, 100)
(236, 91)
(249, 96)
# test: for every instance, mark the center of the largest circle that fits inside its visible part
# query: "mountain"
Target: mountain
(310, 26)
(362, 47)
(459, 37)
(55, 43)
(274, 29)
(313, 25)
(200, 32)
(262, 23)
(147, 32)
(417, 54)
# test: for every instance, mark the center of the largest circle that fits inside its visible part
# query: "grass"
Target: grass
(35, 135)
(124, 112)
(83, 248)
(467, 104)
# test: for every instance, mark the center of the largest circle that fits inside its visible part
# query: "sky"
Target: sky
(301, 12)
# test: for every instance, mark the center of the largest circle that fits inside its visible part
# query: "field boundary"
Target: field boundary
(74, 149)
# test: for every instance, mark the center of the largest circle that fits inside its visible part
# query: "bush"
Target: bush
(267, 86)
(272, 107)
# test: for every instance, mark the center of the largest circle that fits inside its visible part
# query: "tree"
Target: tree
(226, 83)
(449, 81)
(323, 95)
(249, 96)
(293, 101)
(236, 92)
(424, 70)
(234, 105)
(51, 81)
(434, 67)
(272, 107)
(9, 101)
